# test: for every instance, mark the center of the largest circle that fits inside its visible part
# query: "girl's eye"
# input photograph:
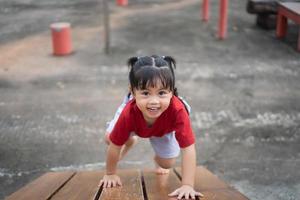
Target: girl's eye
(145, 93)
(162, 92)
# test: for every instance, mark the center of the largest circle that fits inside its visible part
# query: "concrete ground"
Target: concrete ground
(244, 91)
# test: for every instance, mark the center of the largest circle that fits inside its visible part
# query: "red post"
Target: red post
(281, 25)
(122, 2)
(61, 38)
(205, 10)
(298, 41)
(223, 19)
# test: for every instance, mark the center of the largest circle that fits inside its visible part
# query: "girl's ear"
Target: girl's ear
(131, 61)
(171, 61)
(131, 90)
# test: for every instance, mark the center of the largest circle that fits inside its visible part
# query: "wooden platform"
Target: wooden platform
(137, 185)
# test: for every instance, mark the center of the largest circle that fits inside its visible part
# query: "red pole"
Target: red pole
(122, 2)
(205, 10)
(223, 19)
(281, 25)
(298, 46)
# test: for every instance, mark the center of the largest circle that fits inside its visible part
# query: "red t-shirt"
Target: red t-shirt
(175, 118)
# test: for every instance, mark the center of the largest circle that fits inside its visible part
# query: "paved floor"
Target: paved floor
(244, 91)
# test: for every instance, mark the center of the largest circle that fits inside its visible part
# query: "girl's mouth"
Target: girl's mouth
(153, 109)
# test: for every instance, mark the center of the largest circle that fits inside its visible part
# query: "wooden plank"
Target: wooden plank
(84, 185)
(131, 189)
(159, 186)
(212, 187)
(205, 180)
(43, 187)
(223, 194)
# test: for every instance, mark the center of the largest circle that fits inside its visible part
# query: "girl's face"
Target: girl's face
(152, 101)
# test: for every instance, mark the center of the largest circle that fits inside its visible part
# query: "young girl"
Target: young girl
(153, 110)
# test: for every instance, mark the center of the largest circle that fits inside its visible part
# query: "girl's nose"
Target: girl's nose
(153, 100)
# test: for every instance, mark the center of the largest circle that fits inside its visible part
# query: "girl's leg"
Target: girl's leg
(166, 151)
(163, 164)
(128, 145)
(125, 148)
(106, 138)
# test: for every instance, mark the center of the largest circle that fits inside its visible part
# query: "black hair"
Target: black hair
(147, 70)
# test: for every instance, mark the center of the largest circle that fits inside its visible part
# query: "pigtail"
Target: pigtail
(175, 92)
(172, 65)
(171, 61)
(131, 61)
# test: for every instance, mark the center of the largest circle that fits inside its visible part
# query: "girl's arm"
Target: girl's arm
(113, 154)
(188, 166)
(110, 179)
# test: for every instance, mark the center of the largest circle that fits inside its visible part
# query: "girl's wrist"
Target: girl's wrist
(188, 184)
(110, 173)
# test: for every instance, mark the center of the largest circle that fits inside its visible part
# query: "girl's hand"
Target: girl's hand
(185, 191)
(110, 181)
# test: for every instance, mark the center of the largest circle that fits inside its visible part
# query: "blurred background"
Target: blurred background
(244, 90)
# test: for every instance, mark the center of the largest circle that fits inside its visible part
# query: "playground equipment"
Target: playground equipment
(61, 38)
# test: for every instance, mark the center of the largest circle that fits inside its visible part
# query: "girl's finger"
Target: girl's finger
(180, 195)
(114, 184)
(104, 184)
(186, 196)
(199, 194)
(108, 184)
(119, 182)
(174, 193)
(100, 183)
(193, 195)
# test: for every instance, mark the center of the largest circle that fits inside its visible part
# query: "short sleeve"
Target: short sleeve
(111, 124)
(183, 130)
(121, 131)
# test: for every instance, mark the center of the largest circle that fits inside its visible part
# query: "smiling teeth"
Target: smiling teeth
(153, 108)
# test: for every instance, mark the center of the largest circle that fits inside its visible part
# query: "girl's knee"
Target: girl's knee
(131, 141)
(106, 138)
(165, 163)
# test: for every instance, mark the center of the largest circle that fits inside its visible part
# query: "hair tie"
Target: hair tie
(153, 62)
